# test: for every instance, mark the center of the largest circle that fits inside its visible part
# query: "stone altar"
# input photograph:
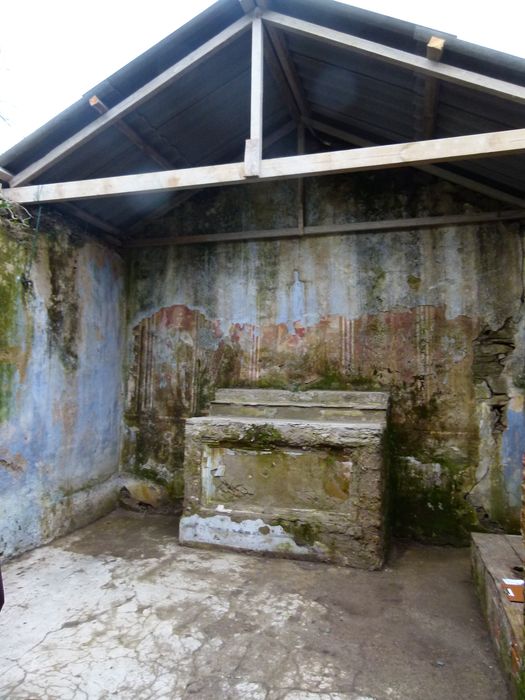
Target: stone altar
(296, 474)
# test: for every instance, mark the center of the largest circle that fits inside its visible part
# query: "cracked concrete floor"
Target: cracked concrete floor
(119, 610)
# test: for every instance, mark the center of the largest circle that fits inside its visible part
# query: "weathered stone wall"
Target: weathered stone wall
(433, 315)
(61, 354)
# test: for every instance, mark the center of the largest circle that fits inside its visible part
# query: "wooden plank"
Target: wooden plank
(292, 77)
(372, 158)
(419, 64)
(254, 145)
(334, 229)
(435, 47)
(435, 170)
(133, 101)
(276, 70)
(5, 176)
(428, 102)
(132, 135)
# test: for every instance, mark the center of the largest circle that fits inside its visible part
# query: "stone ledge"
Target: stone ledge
(493, 558)
(279, 397)
(300, 433)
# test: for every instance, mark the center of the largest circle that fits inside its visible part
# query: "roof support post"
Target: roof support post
(254, 145)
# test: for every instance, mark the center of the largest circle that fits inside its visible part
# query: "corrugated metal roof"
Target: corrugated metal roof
(203, 117)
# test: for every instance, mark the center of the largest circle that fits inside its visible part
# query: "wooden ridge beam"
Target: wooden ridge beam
(435, 170)
(415, 153)
(133, 101)
(132, 135)
(405, 59)
(334, 229)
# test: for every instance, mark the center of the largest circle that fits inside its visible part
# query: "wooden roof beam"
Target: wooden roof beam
(407, 224)
(418, 153)
(288, 68)
(435, 47)
(133, 101)
(254, 145)
(275, 67)
(182, 197)
(428, 102)
(435, 170)
(110, 230)
(132, 135)
(405, 59)
(5, 176)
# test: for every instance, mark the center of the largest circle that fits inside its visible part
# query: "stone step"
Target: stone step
(362, 400)
(306, 412)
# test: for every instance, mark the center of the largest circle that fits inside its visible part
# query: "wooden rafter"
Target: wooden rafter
(287, 66)
(435, 170)
(5, 176)
(132, 135)
(405, 59)
(182, 197)
(416, 153)
(276, 70)
(133, 101)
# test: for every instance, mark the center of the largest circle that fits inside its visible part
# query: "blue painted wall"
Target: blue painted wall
(61, 355)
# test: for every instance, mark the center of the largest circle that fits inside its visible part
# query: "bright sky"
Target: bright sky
(54, 51)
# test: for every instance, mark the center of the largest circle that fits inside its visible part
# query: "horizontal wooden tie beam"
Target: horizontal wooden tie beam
(373, 158)
(435, 170)
(331, 229)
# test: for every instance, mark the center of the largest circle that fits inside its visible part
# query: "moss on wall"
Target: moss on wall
(63, 305)
(430, 315)
(15, 335)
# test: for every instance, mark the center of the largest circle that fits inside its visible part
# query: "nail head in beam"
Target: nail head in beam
(435, 47)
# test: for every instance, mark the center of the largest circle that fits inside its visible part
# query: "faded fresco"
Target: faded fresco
(433, 315)
(61, 299)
